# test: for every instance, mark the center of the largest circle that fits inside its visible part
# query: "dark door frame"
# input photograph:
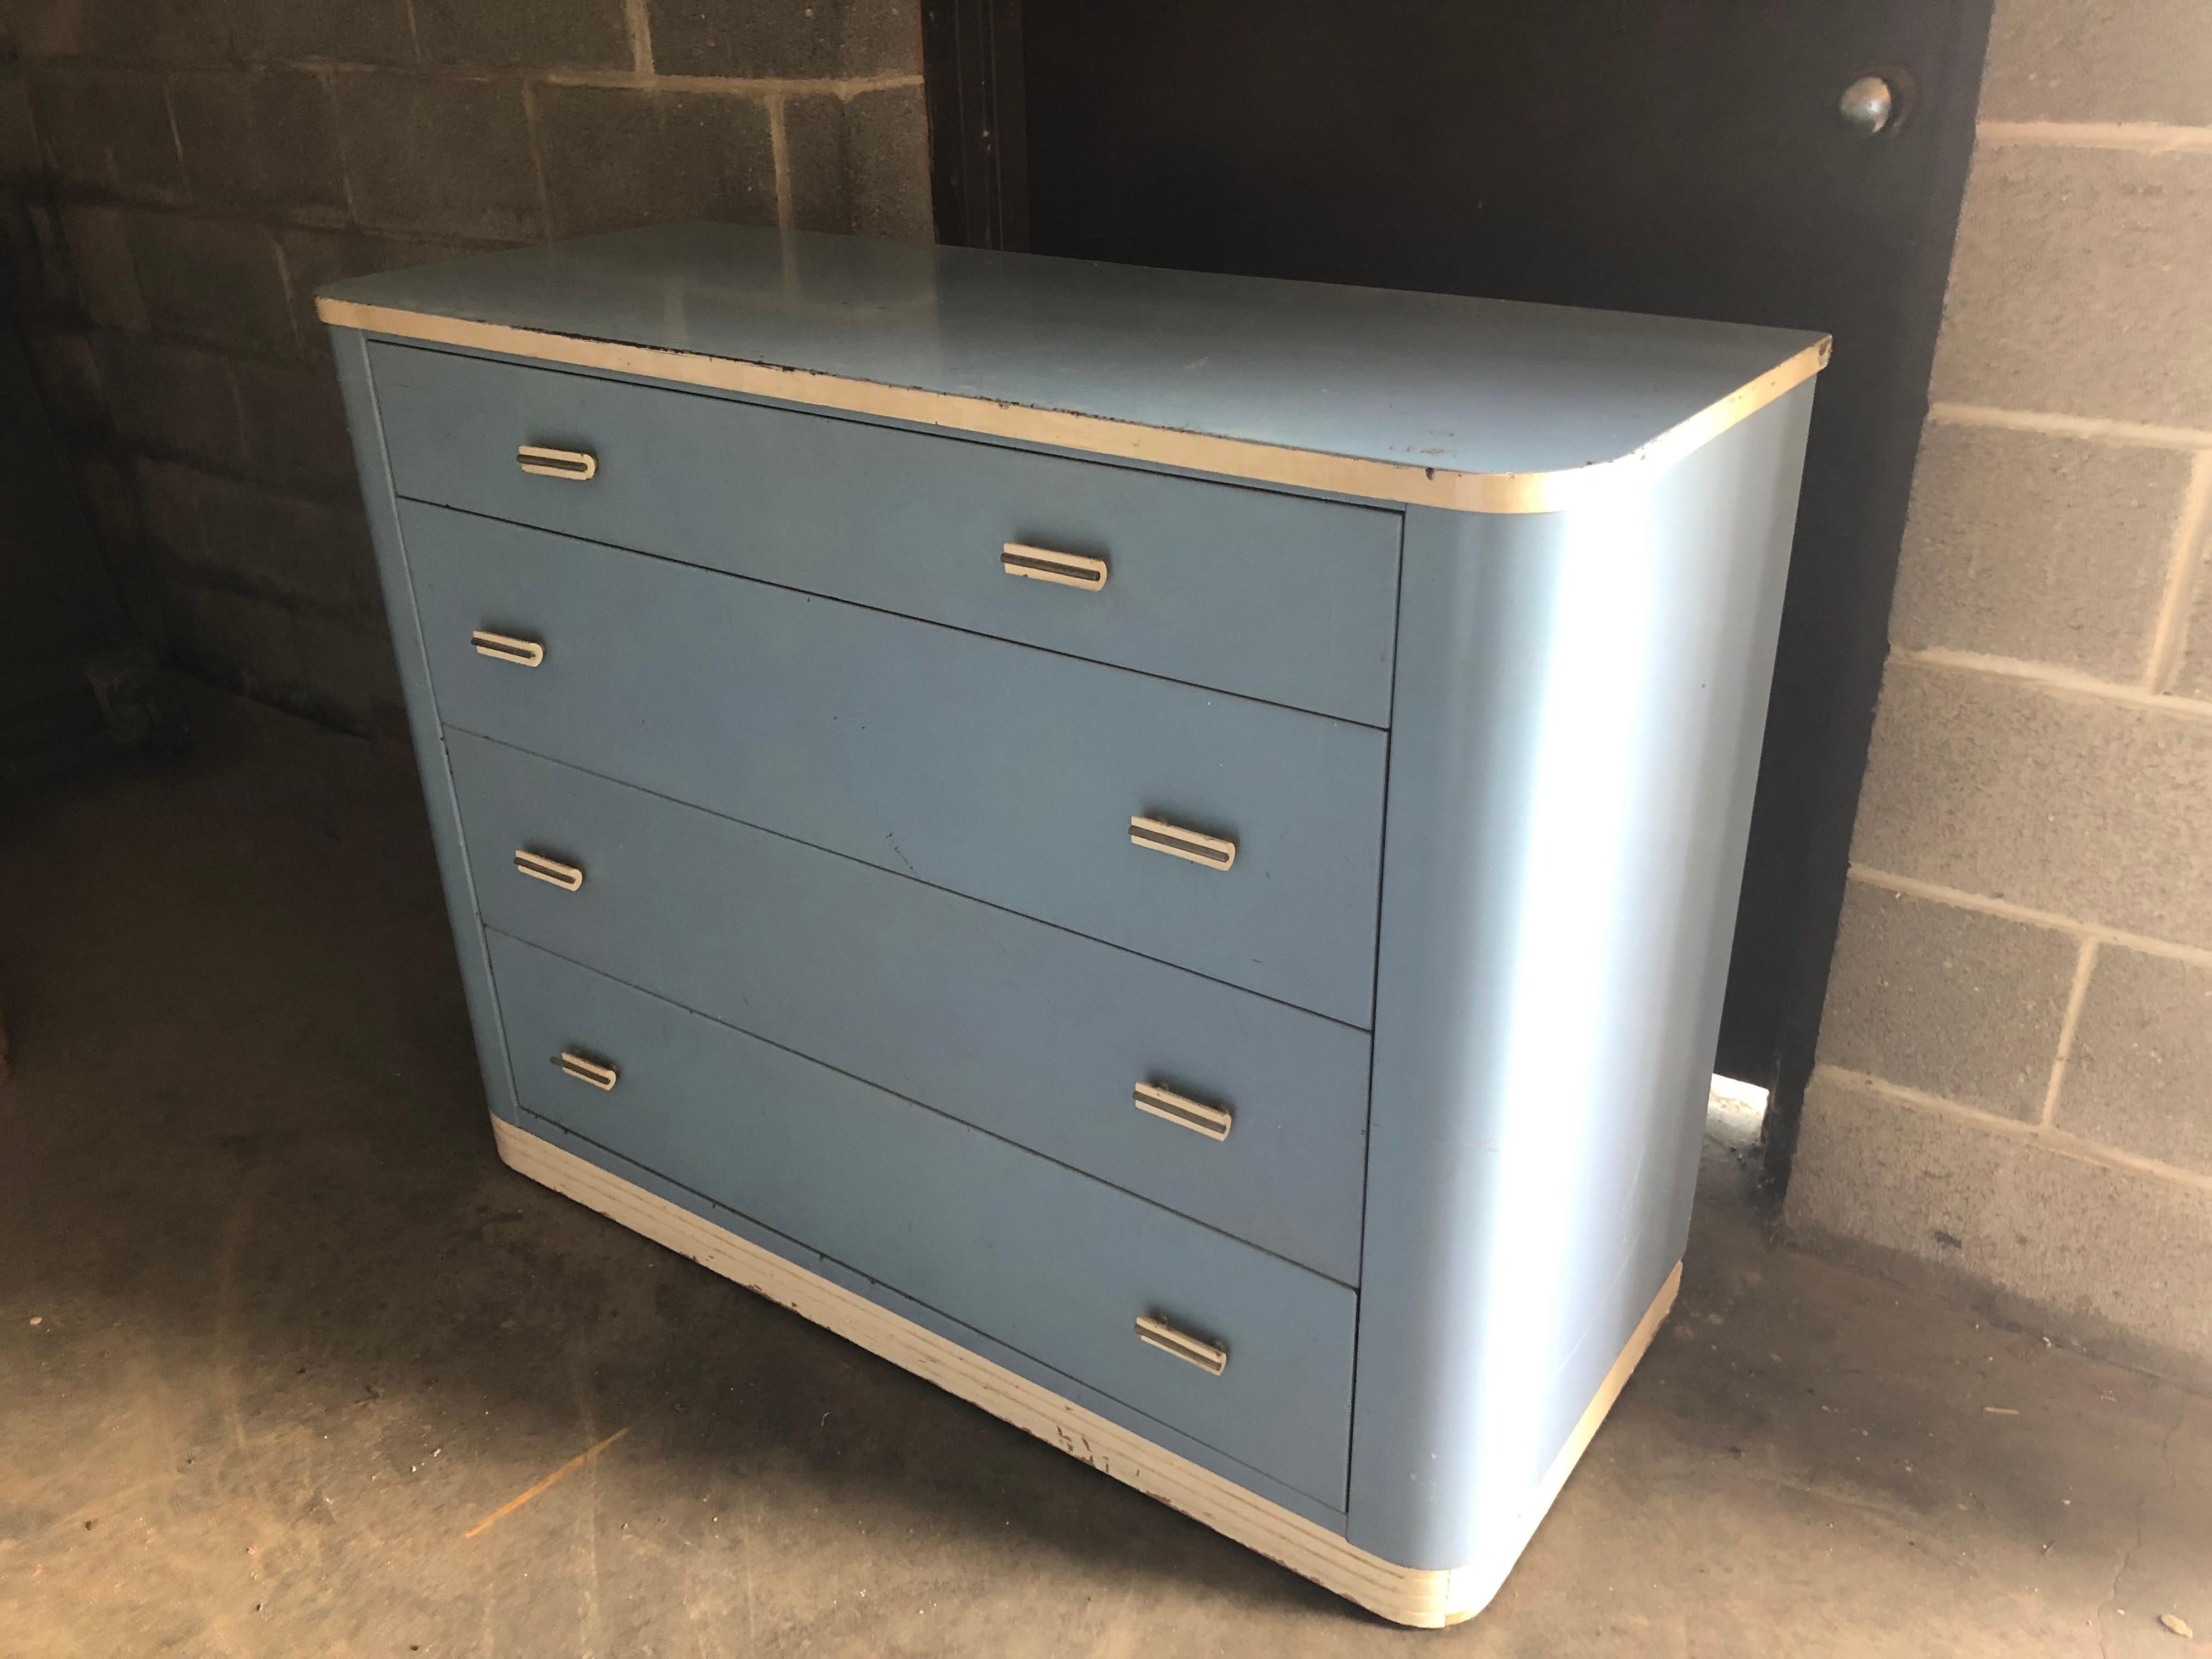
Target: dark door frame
(973, 71)
(972, 57)
(1861, 617)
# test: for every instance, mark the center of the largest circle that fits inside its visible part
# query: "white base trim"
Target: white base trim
(1406, 1596)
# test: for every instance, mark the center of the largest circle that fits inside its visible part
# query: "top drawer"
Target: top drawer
(1276, 597)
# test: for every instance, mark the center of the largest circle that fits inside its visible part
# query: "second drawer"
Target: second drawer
(1006, 773)
(1028, 1030)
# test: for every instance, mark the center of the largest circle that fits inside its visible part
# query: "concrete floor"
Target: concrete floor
(277, 1333)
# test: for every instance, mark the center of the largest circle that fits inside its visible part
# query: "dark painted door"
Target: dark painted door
(1671, 157)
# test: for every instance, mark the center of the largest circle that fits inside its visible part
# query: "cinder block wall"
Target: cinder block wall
(189, 171)
(2015, 1086)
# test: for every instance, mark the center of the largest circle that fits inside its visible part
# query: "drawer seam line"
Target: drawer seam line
(1367, 1118)
(902, 875)
(935, 1111)
(908, 616)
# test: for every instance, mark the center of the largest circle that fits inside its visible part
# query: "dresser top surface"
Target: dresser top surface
(1476, 403)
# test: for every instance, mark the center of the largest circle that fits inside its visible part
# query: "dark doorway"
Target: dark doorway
(1668, 157)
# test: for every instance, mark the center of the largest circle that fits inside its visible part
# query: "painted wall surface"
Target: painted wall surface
(2015, 1086)
(182, 175)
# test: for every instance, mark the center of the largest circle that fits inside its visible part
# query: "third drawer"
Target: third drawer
(1022, 1028)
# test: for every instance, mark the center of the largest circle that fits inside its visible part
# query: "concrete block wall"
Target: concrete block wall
(2015, 1092)
(184, 174)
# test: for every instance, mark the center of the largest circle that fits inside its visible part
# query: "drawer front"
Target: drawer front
(1271, 596)
(1048, 1261)
(1002, 772)
(1028, 1030)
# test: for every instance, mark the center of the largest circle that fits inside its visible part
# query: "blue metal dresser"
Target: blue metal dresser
(1157, 849)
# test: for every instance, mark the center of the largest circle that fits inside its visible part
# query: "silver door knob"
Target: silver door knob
(1868, 106)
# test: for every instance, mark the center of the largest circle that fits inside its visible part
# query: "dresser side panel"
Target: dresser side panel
(365, 422)
(1579, 703)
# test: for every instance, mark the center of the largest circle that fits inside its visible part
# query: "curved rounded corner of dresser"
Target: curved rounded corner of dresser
(1431, 1598)
(1566, 488)
(341, 314)
(517, 1147)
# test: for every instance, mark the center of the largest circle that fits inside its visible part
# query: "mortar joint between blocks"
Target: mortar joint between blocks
(2059, 1142)
(2084, 965)
(2006, 910)
(2050, 678)
(536, 160)
(778, 144)
(2169, 631)
(641, 35)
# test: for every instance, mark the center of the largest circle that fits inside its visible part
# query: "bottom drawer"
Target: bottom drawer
(1052, 1263)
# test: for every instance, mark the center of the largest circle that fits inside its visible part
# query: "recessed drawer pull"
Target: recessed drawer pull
(576, 463)
(567, 877)
(1211, 851)
(527, 653)
(1212, 1121)
(1042, 564)
(586, 1070)
(1209, 1357)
